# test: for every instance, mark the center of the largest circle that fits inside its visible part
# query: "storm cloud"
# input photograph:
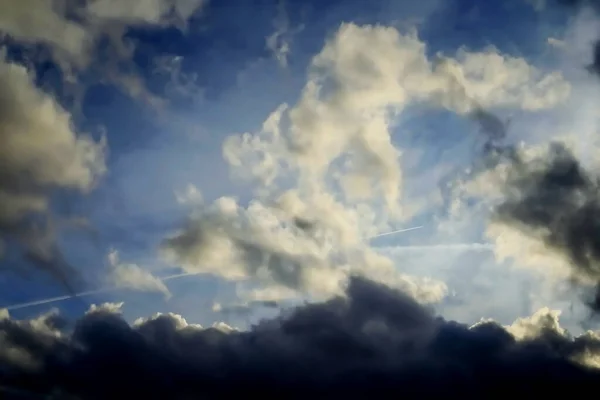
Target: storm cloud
(372, 340)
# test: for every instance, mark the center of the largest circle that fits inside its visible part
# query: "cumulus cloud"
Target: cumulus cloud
(90, 34)
(373, 340)
(40, 152)
(73, 27)
(326, 172)
(149, 12)
(132, 276)
(264, 244)
(358, 84)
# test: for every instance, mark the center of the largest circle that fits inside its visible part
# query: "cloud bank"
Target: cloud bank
(373, 340)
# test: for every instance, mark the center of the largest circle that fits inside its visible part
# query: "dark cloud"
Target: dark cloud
(553, 198)
(374, 341)
(491, 125)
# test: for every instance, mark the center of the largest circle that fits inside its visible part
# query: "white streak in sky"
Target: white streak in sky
(454, 246)
(394, 232)
(394, 249)
(87, 293)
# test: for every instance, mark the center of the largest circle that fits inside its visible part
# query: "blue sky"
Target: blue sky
(166, 97)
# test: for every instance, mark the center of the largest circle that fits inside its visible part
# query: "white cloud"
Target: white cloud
(38, 143)
(267, 245)
(544, 320)
(149, 11)
(557, 43)
(300, 233)
(40, 151)
(134, 277)
(112, 308)
(46, 23)
(192, 195)
(178, 321)
(72, 30)
(358, 83)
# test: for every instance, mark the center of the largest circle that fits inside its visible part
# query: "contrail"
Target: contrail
(398, 231)
(88, 293)
(163, 279)
(454, 246)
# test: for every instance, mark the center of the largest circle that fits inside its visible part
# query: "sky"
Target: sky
(230, 171)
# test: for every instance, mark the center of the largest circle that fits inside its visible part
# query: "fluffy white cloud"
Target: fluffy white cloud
(300, 234)
(543, 320)
(111, 308)
(39, 21)
(268, 245)
(134, 277)
(52, 22)
(361, 80)
(72, 30)
(546, 322)
(40, 151)
(148, 12)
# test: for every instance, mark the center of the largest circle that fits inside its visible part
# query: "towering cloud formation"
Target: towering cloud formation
(371, 341)
(326, 171)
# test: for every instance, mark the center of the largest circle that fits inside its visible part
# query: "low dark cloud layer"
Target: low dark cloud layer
(375, 341)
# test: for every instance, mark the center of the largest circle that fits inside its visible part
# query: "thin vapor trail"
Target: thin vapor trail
(163, 279)
(454, 246)
(398, 231)
(87, 293)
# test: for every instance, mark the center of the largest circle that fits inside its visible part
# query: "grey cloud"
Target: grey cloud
(244, 309)
(373, 341)
(40, 152)
(549, 197)
(553, 198)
